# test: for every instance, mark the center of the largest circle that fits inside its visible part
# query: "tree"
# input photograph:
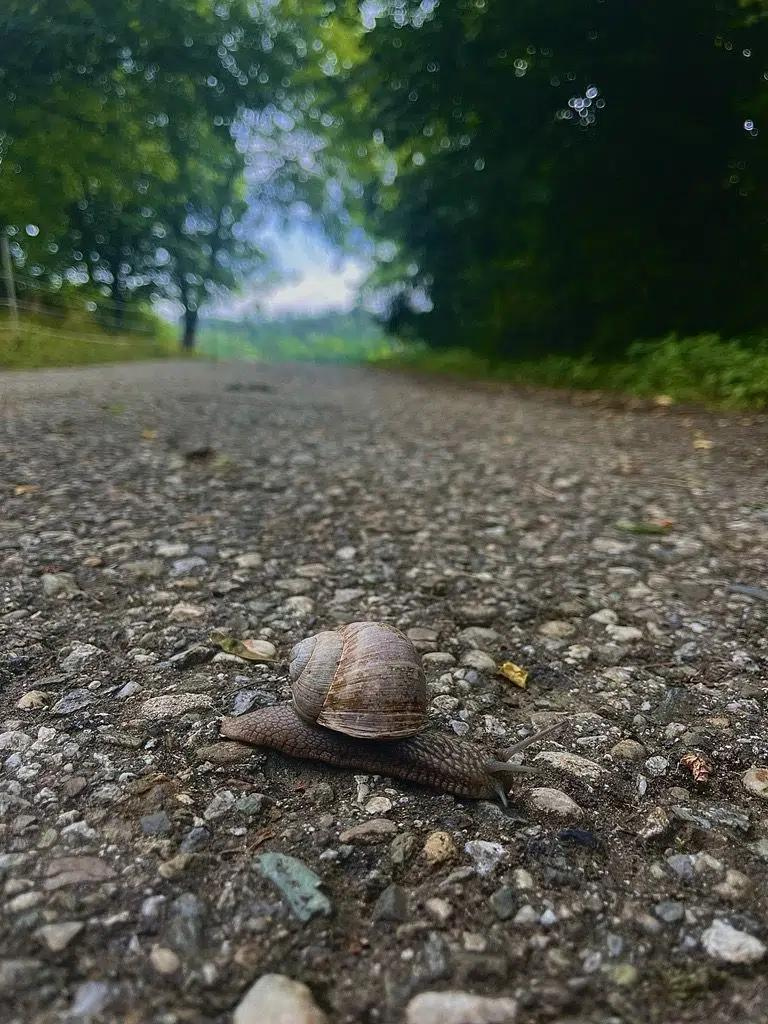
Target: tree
(568, 176)
(144, 186)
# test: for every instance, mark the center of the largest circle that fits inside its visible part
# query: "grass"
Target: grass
(703, 370)
(79, 342)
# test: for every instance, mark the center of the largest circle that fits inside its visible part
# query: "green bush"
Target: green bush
(727, 374)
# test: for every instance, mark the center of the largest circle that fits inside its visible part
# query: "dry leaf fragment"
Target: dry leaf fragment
(698, 765)
(514, 673)
(26, 488)
(250, 650)
(649, 526)
(701, 443)
(148, 435)
(663, 400)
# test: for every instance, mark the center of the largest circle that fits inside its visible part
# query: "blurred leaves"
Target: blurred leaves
(130, 135)
(565, 177)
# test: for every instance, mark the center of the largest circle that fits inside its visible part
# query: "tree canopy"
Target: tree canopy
(566, 175)
(124, 136)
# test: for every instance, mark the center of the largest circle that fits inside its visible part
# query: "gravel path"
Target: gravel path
(145, 505)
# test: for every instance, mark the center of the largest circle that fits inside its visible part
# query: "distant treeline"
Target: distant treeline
(332, 336)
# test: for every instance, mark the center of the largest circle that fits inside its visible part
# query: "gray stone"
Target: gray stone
(460, 1008)
(373, 831)
(725, 943)
(184, 930)
(628, 750)
(557, 629)
(192, 566)
(251, 804)
(682, 865)
(221, 806)
(17, 974)
(197, 655)
(669, 911)
(572, 764)
(90, 999)
(73, 700)
(276, 999)
(402, 848)
(129, 690)
(173, 705)
(755, 781)
(438, 658)
(479, 660)
(504, 902)
(392, 905)
(246, 700)
(143, 568)
(299, 885)
(15, 740)
(478, 637)
(553, 801)
(79, 656)
(196, 839)
(156, 824)
(485, 856)
(58, 936)
(59, 584)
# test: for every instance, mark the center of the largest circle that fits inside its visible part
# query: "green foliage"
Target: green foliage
(566, 176)
(702, 370)
(128, 130)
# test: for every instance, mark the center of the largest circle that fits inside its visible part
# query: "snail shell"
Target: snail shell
(364, 679)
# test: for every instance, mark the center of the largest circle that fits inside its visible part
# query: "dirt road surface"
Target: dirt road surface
(619, 556)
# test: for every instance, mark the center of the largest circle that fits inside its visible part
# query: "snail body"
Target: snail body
(429, 759)
(359, 702)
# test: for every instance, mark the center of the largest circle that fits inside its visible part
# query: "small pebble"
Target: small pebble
(554, 801)
(439, 848)
(58, 936)
(755, 781)
(657, 766)
(728, 944)
(439, 909)
(628, 750)
(277, 999)
(173, 705)
(459, 1008)
(572, 764)
(392, 905)
(486, 856)
(165, 961)
(378, 805)
(504, 902)
(373, 831)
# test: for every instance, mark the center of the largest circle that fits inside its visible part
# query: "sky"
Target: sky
(318, 277)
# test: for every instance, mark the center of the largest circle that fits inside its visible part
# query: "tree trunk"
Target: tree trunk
(190, 330)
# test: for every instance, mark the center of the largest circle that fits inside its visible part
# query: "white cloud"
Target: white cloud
(316, 289)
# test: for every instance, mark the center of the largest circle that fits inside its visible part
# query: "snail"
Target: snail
(360, 702)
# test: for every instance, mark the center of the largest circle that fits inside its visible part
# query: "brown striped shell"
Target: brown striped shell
(364, 679)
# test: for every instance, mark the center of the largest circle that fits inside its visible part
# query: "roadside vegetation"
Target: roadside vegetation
(79, 341)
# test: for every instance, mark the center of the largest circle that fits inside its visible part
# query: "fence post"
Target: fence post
(5, 255)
